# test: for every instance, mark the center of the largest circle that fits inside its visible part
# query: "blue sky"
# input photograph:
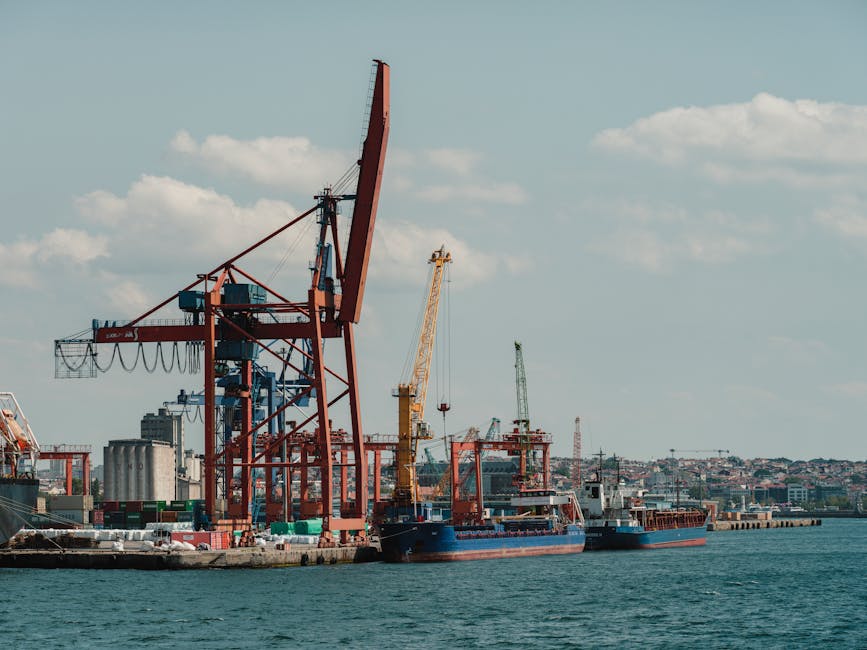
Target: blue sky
(664, 203)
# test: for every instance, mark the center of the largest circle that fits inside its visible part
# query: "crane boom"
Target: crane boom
(421, 367)
(366, 199)
(523, 420)
(412, 394)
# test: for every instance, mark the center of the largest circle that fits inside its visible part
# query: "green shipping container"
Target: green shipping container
(308, 526)
(283, 528)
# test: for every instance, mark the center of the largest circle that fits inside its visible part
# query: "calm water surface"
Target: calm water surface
(785, 588)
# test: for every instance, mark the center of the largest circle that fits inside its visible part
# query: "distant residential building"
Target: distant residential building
(826, 491)
(798, 493)
(778, 493)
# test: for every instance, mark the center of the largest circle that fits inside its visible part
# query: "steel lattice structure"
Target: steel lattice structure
(236, 317)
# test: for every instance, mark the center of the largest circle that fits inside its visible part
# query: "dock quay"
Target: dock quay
(755, 525)
(156, 560)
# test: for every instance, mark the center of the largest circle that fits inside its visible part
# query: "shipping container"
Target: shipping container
(283, 528)
(73, 502)
(216, 540)
(78, 516)
(308, 526)
(133, 506)
(115, 518)
(97, 517)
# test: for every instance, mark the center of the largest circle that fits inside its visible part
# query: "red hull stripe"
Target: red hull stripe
(685, 542)
(449, 556)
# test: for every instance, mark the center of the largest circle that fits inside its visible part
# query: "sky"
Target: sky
(665, 203)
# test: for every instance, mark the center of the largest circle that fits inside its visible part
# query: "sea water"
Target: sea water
(779, 588)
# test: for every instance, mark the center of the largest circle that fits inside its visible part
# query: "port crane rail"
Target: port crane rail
(236, 317)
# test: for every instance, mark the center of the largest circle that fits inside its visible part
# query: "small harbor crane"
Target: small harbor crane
(411, 394)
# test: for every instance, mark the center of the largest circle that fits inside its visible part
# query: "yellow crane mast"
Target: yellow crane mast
(411, 395)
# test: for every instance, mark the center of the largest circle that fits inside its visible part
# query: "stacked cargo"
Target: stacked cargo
(168, 516)
(283, 528)
(138, 514)
(114, 519)
(309, 527)
(74, 508)
(216, 540)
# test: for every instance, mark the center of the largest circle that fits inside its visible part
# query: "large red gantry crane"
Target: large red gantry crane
(235, 317)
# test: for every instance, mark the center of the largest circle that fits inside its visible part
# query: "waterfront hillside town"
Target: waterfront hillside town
(809, 484)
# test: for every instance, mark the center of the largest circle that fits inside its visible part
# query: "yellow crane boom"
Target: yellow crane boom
(411, 395)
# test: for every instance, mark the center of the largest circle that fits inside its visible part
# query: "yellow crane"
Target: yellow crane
(411, 394)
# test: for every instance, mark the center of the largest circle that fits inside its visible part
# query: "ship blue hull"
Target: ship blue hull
(442, 542)
(610, 538)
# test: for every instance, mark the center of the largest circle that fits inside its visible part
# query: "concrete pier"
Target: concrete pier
(236, 558)
(756, 525)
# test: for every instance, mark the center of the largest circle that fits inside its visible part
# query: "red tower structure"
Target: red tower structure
(576, 456)
(235, 317)
(68, 454)
(468, 508)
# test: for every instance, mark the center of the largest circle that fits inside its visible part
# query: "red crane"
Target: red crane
(236, 317)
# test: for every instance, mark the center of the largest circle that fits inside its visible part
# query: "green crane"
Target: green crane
(523, 421)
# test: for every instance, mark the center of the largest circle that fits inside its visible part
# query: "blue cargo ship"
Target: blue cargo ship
(619, 518)
(547, 526)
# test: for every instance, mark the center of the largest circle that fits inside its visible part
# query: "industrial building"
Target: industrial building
(139, 470)
(166, 427)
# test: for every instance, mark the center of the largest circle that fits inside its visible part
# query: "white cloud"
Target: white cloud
(18, 261)
(400, 249)
(658, 237)
(458, 161)
(162, 222)
(753, 394)
(850, 389)
(798, 349)
(847, 216)
(730, 174)
(127, 297)
(289, 163)
(518, 263)
(504, 193)
(799, 143)
(24, 260)
(76, 246)
(766, 128)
